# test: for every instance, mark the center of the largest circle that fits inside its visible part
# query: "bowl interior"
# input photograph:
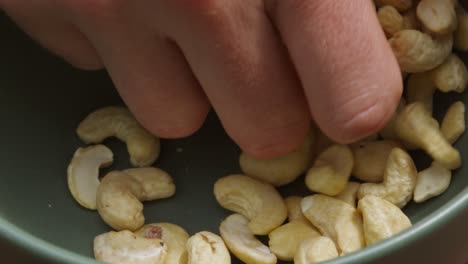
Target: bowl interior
(42, 100)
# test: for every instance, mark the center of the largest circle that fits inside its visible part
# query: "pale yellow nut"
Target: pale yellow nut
(282, 170)
(453, 124)
(390, 20)
(461, 34)
(416, 126)
(331, 170)
(349, 194)
(388, 132)
(124, 247)
(437, 16)
(418, 52)
(260, 202)
(400, 5)
(173, 236)
(450, 76)
(285, 240)
(206, 247)
(381, 219)
(431, 182)
(120, 196)
(115, 121)
(370, 159)
(335, 219)
(293, 204)
(83, 173)
(420, 88)
(398, 182)
(242, 242)
(315, 250)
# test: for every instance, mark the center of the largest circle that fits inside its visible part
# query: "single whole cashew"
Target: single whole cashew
(415, 125)
(83, 173)
(242, 242)
(370, 159)
(453, 124)
(431, 182)
(293, 204)
(381, 219)
(206, 247)
(315, 250)
(349, 194)
(331, 170)
(418, 52)
(285, 240)
(399, 180)
(115, 121)
(174, 236)
(400, 5)
(120, 196)
(437, 16)
(259, 202)
(282, 170)
(335, 219)
(390, 20)
(124, 247)
(451, 75)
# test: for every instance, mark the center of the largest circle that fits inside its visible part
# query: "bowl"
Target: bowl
(42, 100)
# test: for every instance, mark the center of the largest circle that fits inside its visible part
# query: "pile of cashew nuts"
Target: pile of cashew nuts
(341, 215)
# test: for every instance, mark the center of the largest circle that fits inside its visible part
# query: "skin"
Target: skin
(267, 67)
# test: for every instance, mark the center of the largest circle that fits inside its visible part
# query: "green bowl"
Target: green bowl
(41, 102)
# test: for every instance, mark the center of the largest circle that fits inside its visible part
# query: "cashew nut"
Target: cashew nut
(390, 20)
(381, 219)
(349, 194)
(206, 247)
(242, 242)
(124, 247)
(461, 34)
(174, 236)
(451, 75)
(388, 132)
(420, 88)
(315, 250)
(437, 16)
(331, 170)
(418, 52)
(120, 194)
(335, 219)
(293, 204)
(453, 124)
(259, 202)
(285, 240)
(415, 125)
(400, 5)
(431, 182)
(83, 173)
(281, 170)
(370, 159)
(399, 180)
(114, 121)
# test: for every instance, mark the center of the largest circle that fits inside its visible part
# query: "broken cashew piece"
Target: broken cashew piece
(390, 20)
(437, 16)
(282, 170)
(431, 182)
(285, 240)
(120, 196)
(416, 126)
(83, 173)
(124, 247)
(400, 5)
(260, 202)
(399, 180)
(370, 159)
(242, 242)
(315, 250)
(381, 219)
(331, 170)
(174, 236)
(450, 76)
(206, 247)
(418, 52)
(453, 124)
(335, 219)
(114, 121)
(293, 204)
(349, 194)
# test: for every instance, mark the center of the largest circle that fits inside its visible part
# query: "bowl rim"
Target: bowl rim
(449, 211)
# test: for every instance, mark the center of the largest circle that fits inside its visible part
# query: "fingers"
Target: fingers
(348, 71)
(41, 21)
(245, 72)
